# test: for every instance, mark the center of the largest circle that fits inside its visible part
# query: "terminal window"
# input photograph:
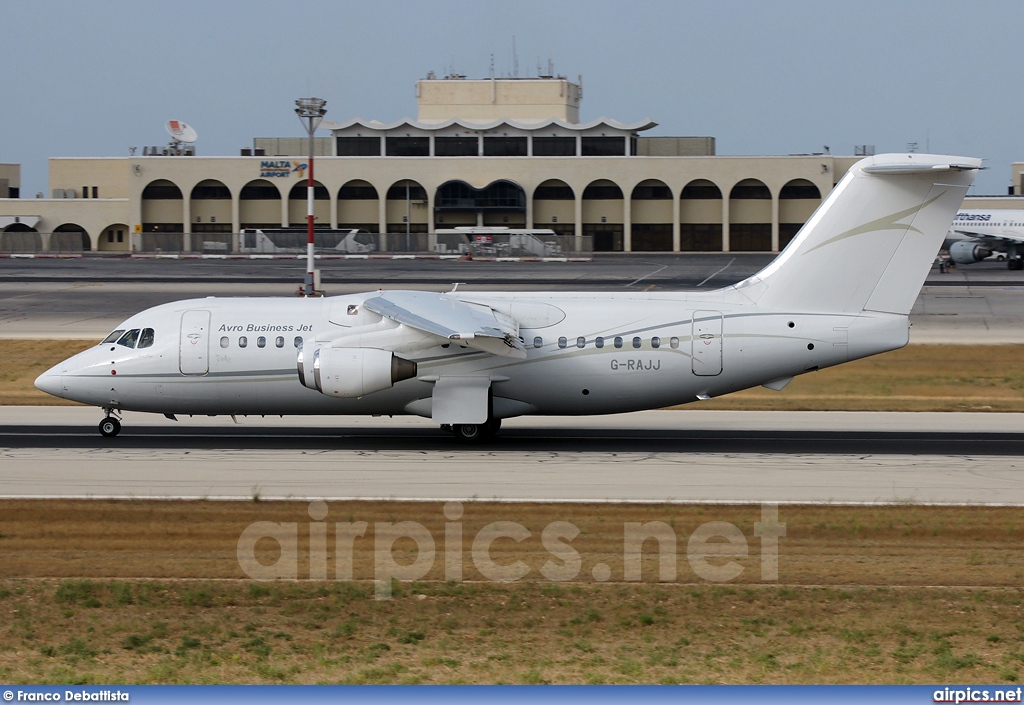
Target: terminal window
(504, 146)
(455, 147)
(358, 146)
(553, 193)
(554, 146)
(604, 146)
(408, 146)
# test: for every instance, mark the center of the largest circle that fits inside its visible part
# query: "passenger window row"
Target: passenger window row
(617, 341)
(134, 338)
(261, 342)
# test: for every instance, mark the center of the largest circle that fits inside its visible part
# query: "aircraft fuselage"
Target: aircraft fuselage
(587, 353)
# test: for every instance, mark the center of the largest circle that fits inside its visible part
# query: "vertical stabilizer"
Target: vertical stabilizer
(870, 244)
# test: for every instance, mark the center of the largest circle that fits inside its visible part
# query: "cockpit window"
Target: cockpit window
(129, 339)
(113, 336)
(147, 337)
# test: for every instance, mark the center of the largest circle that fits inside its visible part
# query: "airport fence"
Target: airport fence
(327, 243)
(34, 243)
(362, 243)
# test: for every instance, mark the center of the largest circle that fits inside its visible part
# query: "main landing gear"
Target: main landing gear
(472, 433)
(111, 425)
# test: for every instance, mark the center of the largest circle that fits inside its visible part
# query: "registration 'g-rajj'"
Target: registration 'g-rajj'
(841, 290)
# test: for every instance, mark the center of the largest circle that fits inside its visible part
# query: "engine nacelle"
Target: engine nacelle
(352, 372)
(964, 252)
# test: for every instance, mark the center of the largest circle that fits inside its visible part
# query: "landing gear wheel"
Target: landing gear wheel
(110, 427)
(469, 433)
(491, 427)
(1015, 263)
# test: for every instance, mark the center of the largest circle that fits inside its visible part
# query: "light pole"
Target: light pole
(311, 112)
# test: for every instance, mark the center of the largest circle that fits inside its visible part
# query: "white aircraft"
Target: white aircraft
(841, 290)
(976, 234)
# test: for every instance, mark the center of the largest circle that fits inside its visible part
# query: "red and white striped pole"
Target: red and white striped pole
(311, 110)
(310, 213)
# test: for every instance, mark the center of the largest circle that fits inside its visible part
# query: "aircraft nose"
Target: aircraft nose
(50, 382)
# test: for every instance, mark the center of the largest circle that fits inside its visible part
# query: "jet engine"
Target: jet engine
(352, 372)
(964, 252)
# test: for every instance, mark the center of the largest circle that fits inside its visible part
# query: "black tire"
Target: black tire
(469, 433)
(1015, 263)
(491, 427)
(110, 427)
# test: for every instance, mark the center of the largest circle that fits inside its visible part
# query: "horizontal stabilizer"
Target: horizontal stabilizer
(919, 168)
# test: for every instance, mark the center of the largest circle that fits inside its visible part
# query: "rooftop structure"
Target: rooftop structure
(488, 100)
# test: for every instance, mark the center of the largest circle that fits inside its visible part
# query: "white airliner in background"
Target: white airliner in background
(976, 234)
(841, 290)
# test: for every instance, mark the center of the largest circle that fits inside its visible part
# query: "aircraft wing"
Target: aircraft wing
(475, 324)
(996, 242)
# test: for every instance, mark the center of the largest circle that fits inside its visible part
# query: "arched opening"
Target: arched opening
(602, 215)
(259, 205)
(19, 238)
(358, 206)
(700, 217)
(750, 217)
(114, 238)
(211, 217)
(554, 207)
(406, 209)
(210, 206)
(651, 209)
(298, 205)
(69, 237)
(162, 216)
(501, 203)
(797, 201)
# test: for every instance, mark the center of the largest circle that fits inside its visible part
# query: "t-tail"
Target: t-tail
(871, 243)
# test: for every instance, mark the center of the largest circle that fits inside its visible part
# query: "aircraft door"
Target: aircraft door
(194, 350)
(706, 343)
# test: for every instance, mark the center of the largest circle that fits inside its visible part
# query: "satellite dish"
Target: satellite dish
(180, 132)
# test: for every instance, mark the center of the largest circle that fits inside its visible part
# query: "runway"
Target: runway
(659, 456)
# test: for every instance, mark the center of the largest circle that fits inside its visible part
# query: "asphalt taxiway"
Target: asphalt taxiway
(658, 456)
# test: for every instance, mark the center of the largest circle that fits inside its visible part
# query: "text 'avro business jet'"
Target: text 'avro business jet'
(841, 290)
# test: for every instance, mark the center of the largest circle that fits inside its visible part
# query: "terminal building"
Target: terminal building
(493, 152)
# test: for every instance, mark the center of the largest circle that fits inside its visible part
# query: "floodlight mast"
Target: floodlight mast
(311, 112)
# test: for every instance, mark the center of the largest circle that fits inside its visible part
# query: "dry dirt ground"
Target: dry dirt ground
(107, 592)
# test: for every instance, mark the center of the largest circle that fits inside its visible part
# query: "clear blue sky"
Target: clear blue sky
(781, 77)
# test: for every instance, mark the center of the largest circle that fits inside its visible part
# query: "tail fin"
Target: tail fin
(870, 244)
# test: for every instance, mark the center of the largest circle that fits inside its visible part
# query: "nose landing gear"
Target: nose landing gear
(111, 425)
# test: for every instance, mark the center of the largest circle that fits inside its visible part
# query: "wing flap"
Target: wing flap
(478, 326)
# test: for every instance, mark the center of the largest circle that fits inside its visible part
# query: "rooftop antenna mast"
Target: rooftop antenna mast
(515, 59)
